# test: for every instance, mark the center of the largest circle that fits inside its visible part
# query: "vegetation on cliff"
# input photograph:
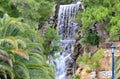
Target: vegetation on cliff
(98, 12)
(102, 18)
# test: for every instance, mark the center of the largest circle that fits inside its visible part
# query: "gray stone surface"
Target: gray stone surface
(105, 74)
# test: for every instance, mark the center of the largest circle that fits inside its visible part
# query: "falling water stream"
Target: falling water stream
(66, 30)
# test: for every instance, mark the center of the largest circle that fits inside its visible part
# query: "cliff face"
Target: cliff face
(105, 64)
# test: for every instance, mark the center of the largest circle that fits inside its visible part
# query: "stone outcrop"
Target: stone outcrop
(77, 50)
(105, 63)
(53, 20)
(69, 68)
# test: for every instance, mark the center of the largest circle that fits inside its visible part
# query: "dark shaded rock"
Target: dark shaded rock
(77, 50)
(40, 25)
(69, 69)
(52, 21)
(69, 64)
(69, 72)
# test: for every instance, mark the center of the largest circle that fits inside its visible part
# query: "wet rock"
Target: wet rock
(69, 69)
(75, 55)
(69, 72)
(53, 20)
(69, 64)
(77, 50)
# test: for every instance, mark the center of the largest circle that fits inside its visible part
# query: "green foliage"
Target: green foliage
(76, 77)
(64, 1)
(89, 62)
(97, 56)
(115, 25)
(88, 69)
(51, 39)
(104, 11)
(83, 59)
(21, 51)
(117, 68)
(91, 38)
(34, 9)
(6, 7)
(91, 15)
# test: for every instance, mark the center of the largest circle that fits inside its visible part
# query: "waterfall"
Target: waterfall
(66, 29)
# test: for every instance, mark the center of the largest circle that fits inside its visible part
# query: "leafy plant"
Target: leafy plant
(21, 51)
(117, 68)
(91, 38)
(51, 39)
(89, 62)
(92, 14)
(64, 1)
(76, 77)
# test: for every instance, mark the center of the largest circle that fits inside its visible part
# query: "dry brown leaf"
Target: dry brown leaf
(5, 58)
(21, 53)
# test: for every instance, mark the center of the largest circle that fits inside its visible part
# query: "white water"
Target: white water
(66, 30)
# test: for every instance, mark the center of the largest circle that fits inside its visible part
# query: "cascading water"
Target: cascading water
(66, 30)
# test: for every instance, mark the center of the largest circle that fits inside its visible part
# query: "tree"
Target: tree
(21, 51)
(64, 1)
(51, 40)
(7, 7)
(25, 50)
(38, 10)
(98, 11)
(33, 11)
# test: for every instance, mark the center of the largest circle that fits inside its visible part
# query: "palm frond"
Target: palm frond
(21, 53)
(6, 58)
(4, 52)
(9, 70)
(23, 69)
(2, 72)
(41, 68)
(8, 21)
(5, 16)
(39, 56)
(35, 60)
(21, 43)
(10, 25)
(11, 40)
(13, 21)
(38, 46)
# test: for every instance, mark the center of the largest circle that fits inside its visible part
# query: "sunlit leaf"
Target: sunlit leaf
(21, 53)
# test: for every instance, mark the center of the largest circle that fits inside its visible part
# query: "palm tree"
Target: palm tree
(21, 51)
